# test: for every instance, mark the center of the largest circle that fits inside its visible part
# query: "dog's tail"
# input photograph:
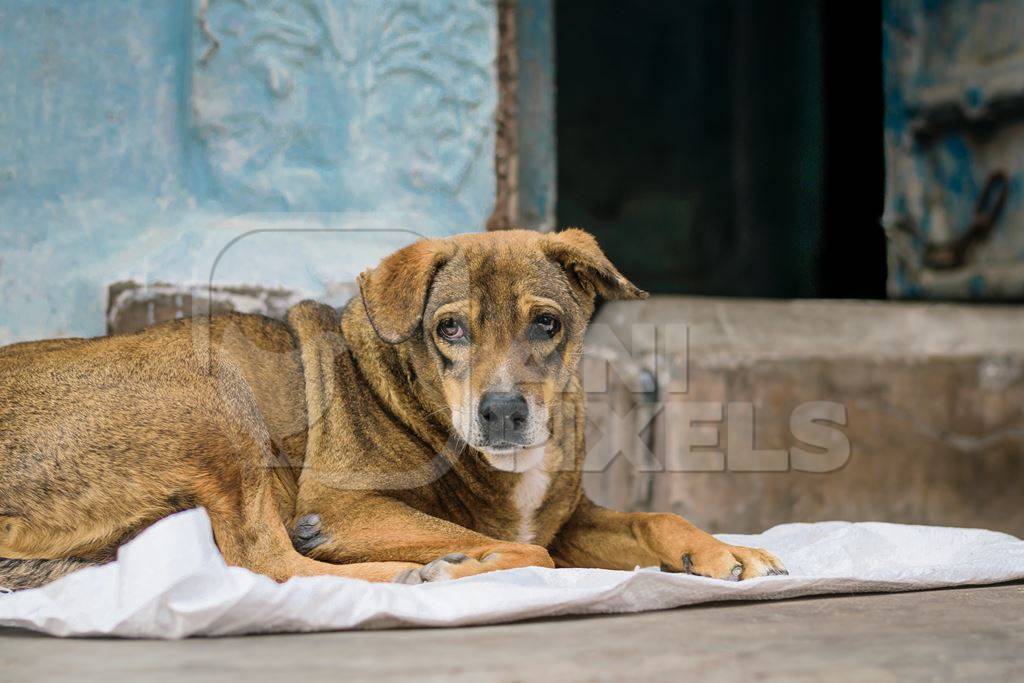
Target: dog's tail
(20, 574)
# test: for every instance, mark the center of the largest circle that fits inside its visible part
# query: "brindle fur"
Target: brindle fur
(332, 432)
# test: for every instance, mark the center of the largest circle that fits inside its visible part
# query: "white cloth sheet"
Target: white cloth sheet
(171, 582)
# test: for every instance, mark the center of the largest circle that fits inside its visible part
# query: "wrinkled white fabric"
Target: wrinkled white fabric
(171, 582)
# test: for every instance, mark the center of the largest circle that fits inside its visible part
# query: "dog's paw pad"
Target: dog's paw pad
(410, 577)
(438, 570)
(307, 534)
(441, 568)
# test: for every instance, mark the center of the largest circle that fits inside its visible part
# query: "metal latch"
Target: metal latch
(953, 254)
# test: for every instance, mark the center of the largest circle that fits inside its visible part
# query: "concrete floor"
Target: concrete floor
(971, 634)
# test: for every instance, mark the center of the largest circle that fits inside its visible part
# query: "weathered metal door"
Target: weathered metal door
(954, 89)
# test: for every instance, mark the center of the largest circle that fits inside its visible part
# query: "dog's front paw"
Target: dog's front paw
(440, 569)
(478, 561)
(728, 562)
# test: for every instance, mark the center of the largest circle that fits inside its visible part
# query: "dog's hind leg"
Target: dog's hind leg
(247, 492)
(250, 533)
(367, 526)
(252, 537)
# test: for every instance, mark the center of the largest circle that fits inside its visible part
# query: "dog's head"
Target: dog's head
(493, 325)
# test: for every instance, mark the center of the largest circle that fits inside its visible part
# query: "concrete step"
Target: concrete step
(712, 408)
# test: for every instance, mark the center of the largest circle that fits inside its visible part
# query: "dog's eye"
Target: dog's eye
(544, 326)
(451, 329)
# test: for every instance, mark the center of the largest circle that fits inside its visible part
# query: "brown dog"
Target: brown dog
(431, 430)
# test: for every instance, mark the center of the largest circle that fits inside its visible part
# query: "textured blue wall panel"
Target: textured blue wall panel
(91, 105)
(137, 140)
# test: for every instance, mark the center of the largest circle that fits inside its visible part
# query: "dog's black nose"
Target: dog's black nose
(504, 414)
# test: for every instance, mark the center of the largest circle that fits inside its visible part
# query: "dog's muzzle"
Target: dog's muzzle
(503, 419)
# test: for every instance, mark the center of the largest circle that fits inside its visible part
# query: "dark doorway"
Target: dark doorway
(725, 147)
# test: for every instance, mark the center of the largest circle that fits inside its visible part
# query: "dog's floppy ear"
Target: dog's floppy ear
(578, 253)
(395, 292)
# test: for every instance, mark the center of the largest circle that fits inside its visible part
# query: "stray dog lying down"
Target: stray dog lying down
(432, 429)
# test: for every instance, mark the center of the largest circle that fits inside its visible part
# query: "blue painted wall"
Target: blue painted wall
(137, 140)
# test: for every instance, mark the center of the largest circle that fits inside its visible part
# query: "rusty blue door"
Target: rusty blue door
(954, 90)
